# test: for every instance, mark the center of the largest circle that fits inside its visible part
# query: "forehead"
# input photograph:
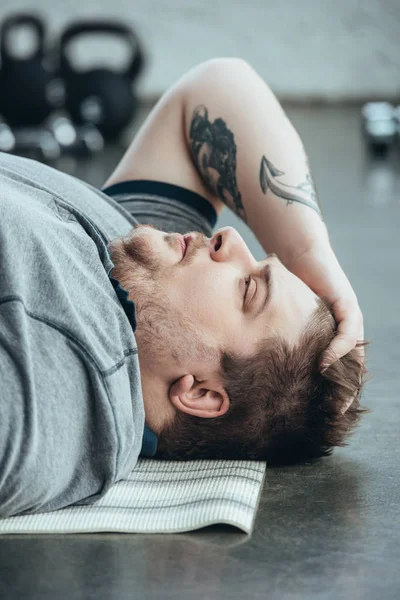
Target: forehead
(292, 308)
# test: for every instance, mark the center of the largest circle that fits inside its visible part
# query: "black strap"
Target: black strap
(168, 190)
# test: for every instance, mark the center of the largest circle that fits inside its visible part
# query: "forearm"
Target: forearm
(247, 152)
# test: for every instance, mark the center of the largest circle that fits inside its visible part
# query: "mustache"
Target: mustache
(132, 246)
(199, 239)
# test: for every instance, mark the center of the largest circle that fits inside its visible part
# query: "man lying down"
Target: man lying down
(129, 328)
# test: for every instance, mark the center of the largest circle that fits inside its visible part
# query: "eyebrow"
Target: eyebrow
(270, 289)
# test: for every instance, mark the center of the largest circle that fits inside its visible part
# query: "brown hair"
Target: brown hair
(282, 409)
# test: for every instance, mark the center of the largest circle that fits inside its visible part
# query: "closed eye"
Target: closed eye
(247, 284)
(250, 295)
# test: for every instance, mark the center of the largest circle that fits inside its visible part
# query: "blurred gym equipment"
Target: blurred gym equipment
(28, 84)
(101, 96)
(48, 108)
(379, 126)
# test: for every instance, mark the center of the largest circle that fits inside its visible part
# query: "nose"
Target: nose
(228, 245)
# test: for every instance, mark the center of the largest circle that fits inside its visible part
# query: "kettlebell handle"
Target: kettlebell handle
(21, 19)
(114, 28)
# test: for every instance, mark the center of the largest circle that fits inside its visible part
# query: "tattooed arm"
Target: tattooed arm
(250, 156)
(252, 160)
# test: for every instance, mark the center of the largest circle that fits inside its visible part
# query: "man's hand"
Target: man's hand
(350, 329)
(319, 268)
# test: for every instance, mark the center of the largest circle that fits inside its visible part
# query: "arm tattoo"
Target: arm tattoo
(304, 192)
(214, 152)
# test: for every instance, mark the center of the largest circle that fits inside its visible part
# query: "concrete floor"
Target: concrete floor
(329, 530)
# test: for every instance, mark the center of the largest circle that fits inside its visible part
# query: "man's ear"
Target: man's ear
(206, 399)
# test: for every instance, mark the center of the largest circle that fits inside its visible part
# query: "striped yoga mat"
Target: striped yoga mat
(161, 497)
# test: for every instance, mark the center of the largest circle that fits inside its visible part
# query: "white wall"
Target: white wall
(304, 49)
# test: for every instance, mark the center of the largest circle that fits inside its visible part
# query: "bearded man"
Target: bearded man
(129, 328)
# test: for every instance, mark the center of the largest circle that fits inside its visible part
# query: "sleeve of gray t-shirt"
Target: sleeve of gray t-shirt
(71, 408)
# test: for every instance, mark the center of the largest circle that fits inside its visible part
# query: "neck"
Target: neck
(158, 410)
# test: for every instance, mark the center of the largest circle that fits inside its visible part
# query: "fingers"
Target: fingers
(341, 345)
(350, 331)
(347, 404)
(350, 401)
(344, 344)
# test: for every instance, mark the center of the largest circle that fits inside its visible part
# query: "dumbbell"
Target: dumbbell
(396, 115)
(82, 140)
(29, 86)
(379, 126)
(58, 136)
(99, 96)
(33, 142)
(7, 138)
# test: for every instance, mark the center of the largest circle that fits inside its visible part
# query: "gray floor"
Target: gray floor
(328, 530)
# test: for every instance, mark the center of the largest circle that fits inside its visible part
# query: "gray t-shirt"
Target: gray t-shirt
(71, 405)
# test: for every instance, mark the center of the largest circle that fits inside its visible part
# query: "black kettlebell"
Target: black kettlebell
(101, 96)
(24, 82)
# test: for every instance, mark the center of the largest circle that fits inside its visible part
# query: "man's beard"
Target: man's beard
(162, 332)
(130, 251)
